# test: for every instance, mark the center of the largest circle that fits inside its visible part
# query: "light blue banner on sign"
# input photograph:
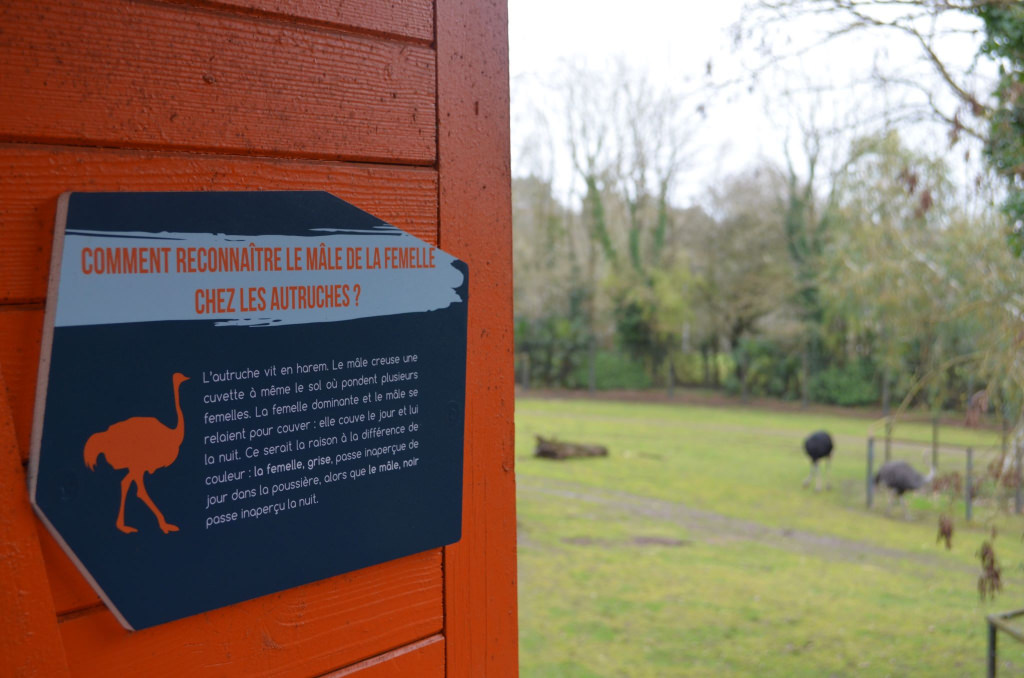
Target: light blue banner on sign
(145, 277)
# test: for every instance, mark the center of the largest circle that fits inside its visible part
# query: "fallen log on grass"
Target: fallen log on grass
(554, 449)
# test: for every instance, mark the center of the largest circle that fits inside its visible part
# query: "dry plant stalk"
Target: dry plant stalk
(945, 531)
(990, 580)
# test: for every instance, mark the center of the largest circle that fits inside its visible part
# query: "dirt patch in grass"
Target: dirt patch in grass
(660, 541)
(715, 528)
(586, 541)
(633, 541)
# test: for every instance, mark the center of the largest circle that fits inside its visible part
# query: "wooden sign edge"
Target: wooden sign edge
(42, 385)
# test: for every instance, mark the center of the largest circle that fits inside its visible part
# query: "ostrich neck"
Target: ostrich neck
(179, 430)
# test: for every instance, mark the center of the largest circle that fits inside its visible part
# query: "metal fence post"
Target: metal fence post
(871, 464)
(1017, 499)
(991, 654)
(1006, 429)
(888, 439)
(970, 482)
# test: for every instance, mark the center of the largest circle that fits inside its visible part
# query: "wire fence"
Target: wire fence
(989, 475)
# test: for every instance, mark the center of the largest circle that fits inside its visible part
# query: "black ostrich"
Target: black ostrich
(818, 446)
(900, 477)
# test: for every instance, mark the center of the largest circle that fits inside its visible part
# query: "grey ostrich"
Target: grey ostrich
(818, 446)
(900, 477)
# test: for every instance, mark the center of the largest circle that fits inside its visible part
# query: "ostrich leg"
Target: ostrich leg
(828, 472)
(126, 482)
(812, 474)
(144, 496)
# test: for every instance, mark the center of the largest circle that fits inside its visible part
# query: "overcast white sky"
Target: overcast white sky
(670, 38)
(673, 41)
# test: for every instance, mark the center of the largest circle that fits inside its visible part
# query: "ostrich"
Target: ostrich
(901, 477)
(818, 446)
(141, 445)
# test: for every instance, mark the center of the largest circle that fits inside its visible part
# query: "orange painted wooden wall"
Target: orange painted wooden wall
(398, 106)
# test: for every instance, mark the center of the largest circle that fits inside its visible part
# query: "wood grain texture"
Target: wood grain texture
(21, 331)
(32, 177)
(29, 644)
(423, 659)
(139, 75)
(411, 19)
(476, 226)
(71, 592)
(306, 631)
(259, 95)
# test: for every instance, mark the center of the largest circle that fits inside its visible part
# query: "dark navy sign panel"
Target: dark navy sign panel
(137, 471)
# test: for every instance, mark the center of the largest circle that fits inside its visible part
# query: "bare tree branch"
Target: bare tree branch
(926, 23)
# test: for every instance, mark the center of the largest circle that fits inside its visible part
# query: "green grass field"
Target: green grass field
(693, 550)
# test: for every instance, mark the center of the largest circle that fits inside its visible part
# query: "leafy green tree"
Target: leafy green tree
(650, 311)
(1004, 146)
(551, 294)
(742, 272)
(807, 225)
(627, 141)
(903, 296)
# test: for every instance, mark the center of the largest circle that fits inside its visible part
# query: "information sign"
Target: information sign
(244, 392)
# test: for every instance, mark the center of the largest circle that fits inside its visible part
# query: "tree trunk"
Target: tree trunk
(671, 378)
(744, 378)
(805, 379)
(592, 367)
(886, 392)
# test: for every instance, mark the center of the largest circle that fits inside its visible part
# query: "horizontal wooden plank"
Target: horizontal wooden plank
(32, 177)
(413, 19)
(302, 632)
(21, 331)
(29, 645)
(423, 659)
(141, 75)
(71, 592)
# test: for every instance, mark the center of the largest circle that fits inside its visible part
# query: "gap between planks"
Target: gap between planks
(230, 8)
(226, 152)
(354, 669)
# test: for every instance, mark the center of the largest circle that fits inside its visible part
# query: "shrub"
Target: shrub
(852, 384)
(556, 347)
(772, 371)
(612, 370)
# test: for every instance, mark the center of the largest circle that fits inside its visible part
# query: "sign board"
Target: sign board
(244, 392)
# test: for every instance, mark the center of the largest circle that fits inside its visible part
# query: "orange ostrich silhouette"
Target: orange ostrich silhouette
(139, 444)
